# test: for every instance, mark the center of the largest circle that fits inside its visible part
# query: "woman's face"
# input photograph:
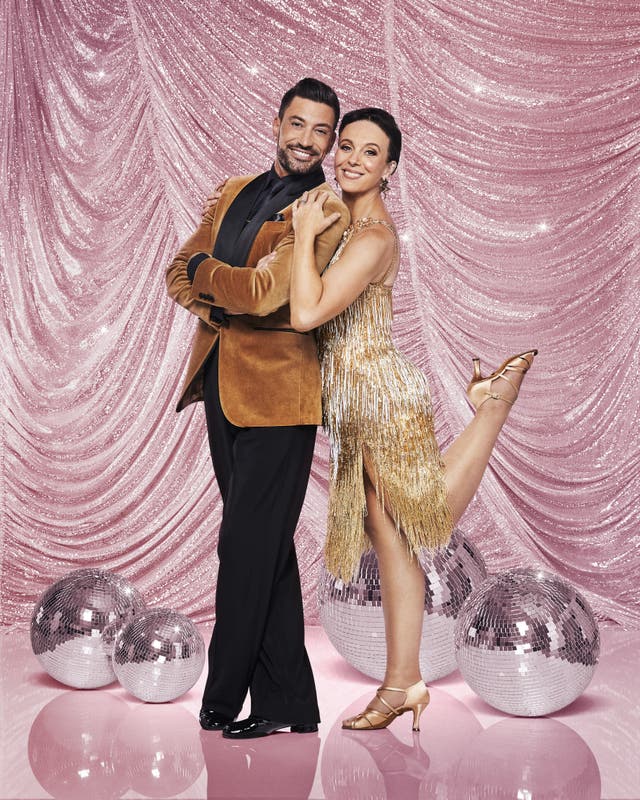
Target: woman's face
(361, 157)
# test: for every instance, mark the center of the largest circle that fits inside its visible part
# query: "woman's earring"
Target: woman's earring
(384, 185)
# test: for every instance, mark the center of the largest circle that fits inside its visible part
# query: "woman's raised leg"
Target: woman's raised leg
(467, 458)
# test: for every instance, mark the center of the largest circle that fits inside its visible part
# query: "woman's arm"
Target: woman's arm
(317, 298)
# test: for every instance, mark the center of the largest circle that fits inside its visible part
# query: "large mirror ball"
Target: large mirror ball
(69, 622)
(527, 642)
(351, 613)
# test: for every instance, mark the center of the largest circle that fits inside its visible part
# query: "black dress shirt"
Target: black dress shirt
(259, 201)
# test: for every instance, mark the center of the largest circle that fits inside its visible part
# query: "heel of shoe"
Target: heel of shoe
(417, 713)
(480, 389)
(477, 375)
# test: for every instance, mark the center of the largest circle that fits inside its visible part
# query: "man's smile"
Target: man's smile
(302, 155)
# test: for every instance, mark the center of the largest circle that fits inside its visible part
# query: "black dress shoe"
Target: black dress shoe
(211, 720)
(253, 727)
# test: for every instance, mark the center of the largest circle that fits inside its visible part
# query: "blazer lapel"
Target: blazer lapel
(232, 223)
(287, 194)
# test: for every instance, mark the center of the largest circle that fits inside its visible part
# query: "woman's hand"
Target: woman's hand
(309, 216)
(212, 200)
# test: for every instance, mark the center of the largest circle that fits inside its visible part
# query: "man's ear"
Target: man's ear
(333, 140)
(276, 128)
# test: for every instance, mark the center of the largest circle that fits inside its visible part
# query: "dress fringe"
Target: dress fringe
(377, 413)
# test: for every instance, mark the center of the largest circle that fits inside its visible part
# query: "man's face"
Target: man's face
(304, 136)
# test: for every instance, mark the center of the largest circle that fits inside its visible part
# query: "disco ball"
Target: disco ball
(69, 621)
(527, 642)
(159, 655)
(352, 616)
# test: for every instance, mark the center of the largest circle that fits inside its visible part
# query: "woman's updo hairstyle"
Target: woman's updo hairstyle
(383, 120)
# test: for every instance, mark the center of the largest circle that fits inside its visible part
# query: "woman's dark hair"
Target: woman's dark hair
(383, 120)
(312, 89)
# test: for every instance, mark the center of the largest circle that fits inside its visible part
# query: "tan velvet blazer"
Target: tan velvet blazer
(269, 373)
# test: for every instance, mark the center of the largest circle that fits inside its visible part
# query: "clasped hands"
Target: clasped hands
(308, 215)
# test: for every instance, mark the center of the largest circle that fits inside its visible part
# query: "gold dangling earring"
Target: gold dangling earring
(384, 185)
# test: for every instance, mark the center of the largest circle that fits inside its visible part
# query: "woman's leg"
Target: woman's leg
(467, 458)
(402, 588)
(402, 583)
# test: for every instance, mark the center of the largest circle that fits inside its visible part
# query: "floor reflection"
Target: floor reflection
(608, 717)
(94, 745)
(452, 758)
(103, 745)
(160, 747)
(528, 758)
(281, 765)
(395, 763)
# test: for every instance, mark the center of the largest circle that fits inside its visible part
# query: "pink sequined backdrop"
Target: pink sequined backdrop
(518, 202)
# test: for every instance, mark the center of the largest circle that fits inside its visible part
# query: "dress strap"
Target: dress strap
(366, 222)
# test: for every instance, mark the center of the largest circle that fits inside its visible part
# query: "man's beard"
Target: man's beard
(296, 167)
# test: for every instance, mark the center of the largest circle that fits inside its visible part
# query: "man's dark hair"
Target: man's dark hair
(311, 89)
(384, 121)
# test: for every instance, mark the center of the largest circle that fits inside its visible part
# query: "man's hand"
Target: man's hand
(212, 199)
(266, 260)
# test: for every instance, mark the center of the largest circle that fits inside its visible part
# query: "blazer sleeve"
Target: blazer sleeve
(178, 283)
(246, 290)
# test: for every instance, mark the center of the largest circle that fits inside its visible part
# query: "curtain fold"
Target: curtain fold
(517, 199)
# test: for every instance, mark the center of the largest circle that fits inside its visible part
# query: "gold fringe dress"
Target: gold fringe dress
(378, 416)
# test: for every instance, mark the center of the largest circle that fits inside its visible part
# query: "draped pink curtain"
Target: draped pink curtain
(518, 202)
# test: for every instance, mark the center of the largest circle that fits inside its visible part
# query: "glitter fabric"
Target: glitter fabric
(74, 622)
(517, 200)
(527, 642)
(159, 655)
(352, 614)
(377, 412)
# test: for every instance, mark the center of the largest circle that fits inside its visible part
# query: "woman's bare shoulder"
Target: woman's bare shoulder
(375, 236)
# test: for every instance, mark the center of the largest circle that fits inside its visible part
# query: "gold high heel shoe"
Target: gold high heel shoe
(479, 389)
(416, 699)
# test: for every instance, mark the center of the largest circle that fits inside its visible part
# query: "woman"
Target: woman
(390, 487)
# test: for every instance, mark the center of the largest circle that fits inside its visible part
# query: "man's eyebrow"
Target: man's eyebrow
(298, 118)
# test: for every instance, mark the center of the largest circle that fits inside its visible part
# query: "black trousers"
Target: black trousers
(258, 637)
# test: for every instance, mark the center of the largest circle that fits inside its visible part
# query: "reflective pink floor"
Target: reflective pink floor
(102, 744)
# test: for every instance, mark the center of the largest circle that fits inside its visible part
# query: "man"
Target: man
(260, 381)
